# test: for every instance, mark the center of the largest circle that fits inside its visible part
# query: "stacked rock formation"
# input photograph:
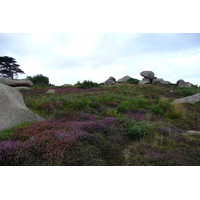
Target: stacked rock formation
(17, 83)
(149, 78)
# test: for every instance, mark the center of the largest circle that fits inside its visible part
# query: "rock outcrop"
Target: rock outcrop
(124, 79)
(181, 83)
(189, 99)
(16, 82)
(149, 78)
(110, 81)
(13, 109)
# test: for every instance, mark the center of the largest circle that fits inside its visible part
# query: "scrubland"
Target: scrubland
(128, 124)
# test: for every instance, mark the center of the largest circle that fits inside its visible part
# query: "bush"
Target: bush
(133, 129)
(86, 85)
(133, 81)
(39, 80)
(189, 91)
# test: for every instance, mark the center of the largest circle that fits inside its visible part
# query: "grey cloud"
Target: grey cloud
(162, 43)
(148, 43)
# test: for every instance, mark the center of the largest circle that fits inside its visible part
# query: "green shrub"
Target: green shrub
(155, 109)
(133, 81)
(133, 129)
(39, 80)
(189, 91)
(86, 84)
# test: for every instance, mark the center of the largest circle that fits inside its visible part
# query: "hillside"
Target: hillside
(126, 124)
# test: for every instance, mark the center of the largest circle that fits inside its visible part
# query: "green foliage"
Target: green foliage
(78, 104)
(133, 81)
(5, 135)
(133, 103)
(39, 80)
(189, 91)
(134, 130)
(86, 84)
(155, 109)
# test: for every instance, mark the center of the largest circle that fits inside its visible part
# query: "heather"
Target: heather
(85, 125)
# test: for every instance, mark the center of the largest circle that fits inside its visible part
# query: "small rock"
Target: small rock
(191, 132)
(51, 91)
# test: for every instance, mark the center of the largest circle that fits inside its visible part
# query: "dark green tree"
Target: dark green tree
(39, 80)
(9, 67)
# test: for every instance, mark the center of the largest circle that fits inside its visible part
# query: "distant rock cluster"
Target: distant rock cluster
(148, 78)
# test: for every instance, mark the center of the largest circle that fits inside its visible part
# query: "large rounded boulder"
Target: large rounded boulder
(13, 110)
(147, 74)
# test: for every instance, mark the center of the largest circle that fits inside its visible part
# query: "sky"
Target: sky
(66, 58)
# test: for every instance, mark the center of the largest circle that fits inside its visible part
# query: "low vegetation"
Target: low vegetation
(94, 125)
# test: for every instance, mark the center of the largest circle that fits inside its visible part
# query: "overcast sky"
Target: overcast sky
(68, 58)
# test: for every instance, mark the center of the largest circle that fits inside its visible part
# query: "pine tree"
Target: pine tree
(9, 67)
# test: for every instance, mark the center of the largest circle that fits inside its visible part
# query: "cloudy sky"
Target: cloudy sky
(68, 58)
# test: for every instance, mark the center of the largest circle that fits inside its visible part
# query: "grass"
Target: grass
(121, 125)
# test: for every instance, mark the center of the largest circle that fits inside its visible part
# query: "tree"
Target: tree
(39, 79)
(9, 67)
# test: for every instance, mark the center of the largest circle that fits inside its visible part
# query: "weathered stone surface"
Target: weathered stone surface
(124, 79)
(51, 91)
(191, 132)
(16, 82)
(13, 109)
(110, 81)
(160, 81)
(157, 80)
(181, 83)
(146, 79)
(190, 99)
(147, 74)
(165, 82)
